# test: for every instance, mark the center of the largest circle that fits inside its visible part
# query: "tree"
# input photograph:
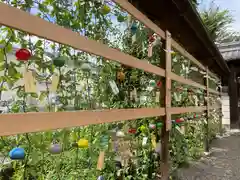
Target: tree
(218, 22)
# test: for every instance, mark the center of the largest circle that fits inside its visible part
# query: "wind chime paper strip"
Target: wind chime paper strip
(100, 163)
(150, 50)
(29, 82)
(55, 81)
(179, 130)
(144, 142)
(134, 38)
(114, 87)
(153, 140)
(157, 96)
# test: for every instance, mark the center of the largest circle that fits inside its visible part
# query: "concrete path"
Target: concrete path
(223, 163)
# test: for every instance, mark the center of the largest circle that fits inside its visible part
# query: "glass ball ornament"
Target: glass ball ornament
(23, 54)
(105, 10)
(152, 126)
(121, 18)
(180, 120)
(120, 134)
(159, 124)
(159, 84)
(152, 83)
(134, 28)
(82, 143)
(151, 39)
(132, 130)
(100, 178)
(60, 61)
(55, 148)
(120, 76)
(17, 153)
(86, 67)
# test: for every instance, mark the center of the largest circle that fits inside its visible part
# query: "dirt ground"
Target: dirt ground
(223, 162)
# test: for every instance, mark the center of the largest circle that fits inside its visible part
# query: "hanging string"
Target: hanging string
(76, 104)
(24, 105)
(48, 102)
(5, 73)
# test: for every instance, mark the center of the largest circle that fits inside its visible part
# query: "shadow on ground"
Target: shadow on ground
(223, 163)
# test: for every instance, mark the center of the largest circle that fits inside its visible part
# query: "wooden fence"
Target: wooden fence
(35, 122)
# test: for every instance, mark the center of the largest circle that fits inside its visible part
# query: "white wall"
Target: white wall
(225, 109)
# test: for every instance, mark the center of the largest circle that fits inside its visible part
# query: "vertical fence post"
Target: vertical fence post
(167, 122)
(207, 112)
(220, 109)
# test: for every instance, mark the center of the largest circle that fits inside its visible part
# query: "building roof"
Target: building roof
(230, 51)
(187, 28)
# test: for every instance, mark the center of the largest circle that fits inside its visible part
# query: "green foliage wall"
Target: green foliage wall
(88, 89)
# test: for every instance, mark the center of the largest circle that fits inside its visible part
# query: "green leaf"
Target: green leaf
(9, 48)
(1, 56)
(42, 96)
(20, 92)
(2, 67)
(35, 157)
(12, 71)
(35, 95)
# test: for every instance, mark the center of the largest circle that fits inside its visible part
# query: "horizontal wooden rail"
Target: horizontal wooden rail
(124, 4)
(183, 80)
(12, 124)
(213, 91)
(180, 49)
(35, 122)
(23, 21)
(183, 52)
(180, 110)
(215, 106)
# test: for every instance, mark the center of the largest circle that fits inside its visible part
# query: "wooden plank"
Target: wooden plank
(221, 111)
(213, 91)
(18, 19)
(183, 80)
(165, 167)
(168, 81)
(140, 16)
(35, 122)
(207, 112)
(151, 25)
(183, 52)
(180, 110)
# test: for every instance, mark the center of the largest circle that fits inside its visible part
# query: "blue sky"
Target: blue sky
(232, 5)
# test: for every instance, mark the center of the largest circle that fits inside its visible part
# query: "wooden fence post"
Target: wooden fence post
(220, 109)
(207, 112)
(167, 121)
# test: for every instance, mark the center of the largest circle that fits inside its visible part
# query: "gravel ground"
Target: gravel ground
(223, 162)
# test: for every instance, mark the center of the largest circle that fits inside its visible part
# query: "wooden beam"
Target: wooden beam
(148, 23)
(183, 80)
(11, 124)
(44, 121)
(168, 122)
(20, 20)
(207, 112)
(140, 16)
(234, 115)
